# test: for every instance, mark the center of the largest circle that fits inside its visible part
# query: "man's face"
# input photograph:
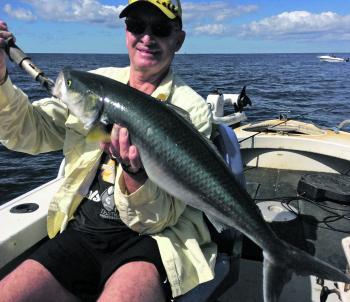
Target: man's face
(148, 51)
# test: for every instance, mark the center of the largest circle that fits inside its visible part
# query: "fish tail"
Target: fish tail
(279, 267)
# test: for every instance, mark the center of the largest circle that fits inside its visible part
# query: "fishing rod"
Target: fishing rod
(16, 55)
(285, 120)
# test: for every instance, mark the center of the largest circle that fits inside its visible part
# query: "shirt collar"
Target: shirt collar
(164, 89)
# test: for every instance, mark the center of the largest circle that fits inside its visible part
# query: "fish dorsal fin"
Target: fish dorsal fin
(185, 115)
(179, 111)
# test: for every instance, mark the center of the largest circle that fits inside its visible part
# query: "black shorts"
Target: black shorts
(83, 262)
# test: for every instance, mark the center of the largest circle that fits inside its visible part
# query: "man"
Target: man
(120, 238)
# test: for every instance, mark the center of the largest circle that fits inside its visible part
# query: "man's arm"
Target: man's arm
(4, 35)
(26, 127)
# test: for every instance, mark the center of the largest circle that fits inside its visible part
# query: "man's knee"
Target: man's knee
(32, 281)
(134, 281)
(27, 269)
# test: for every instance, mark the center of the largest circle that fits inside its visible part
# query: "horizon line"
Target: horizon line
(192, 53)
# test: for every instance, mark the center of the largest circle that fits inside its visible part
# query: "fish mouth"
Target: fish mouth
(82, 104)
(61, 92)
(59, 87)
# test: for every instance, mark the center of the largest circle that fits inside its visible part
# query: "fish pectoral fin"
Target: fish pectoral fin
(275, 277)
(98, 133)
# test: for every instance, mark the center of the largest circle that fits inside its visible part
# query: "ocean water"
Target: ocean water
(298, 85)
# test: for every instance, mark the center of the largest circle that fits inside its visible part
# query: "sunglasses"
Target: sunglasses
(138, 27)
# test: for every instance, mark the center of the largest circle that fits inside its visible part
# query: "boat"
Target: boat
(296, 172)
(299, 175)
(332, 59)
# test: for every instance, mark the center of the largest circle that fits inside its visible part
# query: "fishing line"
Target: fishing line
(286, 200)
(323, 206)
(326, 220)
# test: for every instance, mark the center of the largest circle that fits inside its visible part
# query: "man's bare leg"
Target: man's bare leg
(137, 281)
(31, 281)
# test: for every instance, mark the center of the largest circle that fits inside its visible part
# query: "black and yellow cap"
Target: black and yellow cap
(171, 8)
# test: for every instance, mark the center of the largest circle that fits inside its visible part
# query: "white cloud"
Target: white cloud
(91, 11)
(19, 13)
(205, 17)
(302, 24)
(210, 29)
(213, 11)
(95, 11)
(210, 18)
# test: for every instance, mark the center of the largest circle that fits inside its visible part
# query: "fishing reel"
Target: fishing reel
(218, 102)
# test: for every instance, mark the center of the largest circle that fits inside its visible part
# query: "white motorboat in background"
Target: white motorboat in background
(332, 58)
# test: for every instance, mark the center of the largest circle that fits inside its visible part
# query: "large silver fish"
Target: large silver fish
(183, 163)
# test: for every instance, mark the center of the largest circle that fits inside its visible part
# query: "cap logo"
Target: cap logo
(169, 6)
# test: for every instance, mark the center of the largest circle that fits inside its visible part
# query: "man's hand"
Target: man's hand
(122, 150)
(126, 154)
(4, 35)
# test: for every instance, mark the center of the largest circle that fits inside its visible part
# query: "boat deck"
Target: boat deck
(318, 226)
(312, 230)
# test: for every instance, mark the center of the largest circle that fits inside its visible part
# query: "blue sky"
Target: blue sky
(214, 26)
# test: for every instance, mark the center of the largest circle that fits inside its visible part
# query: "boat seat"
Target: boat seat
(230, 240)
(227, 143)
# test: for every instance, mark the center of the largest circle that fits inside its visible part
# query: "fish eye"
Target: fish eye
(69, 83)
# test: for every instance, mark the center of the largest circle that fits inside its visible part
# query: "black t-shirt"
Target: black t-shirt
(97, 212)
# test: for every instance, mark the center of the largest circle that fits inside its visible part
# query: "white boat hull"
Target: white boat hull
(294, 145)
(20, 231)
(331, 59)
